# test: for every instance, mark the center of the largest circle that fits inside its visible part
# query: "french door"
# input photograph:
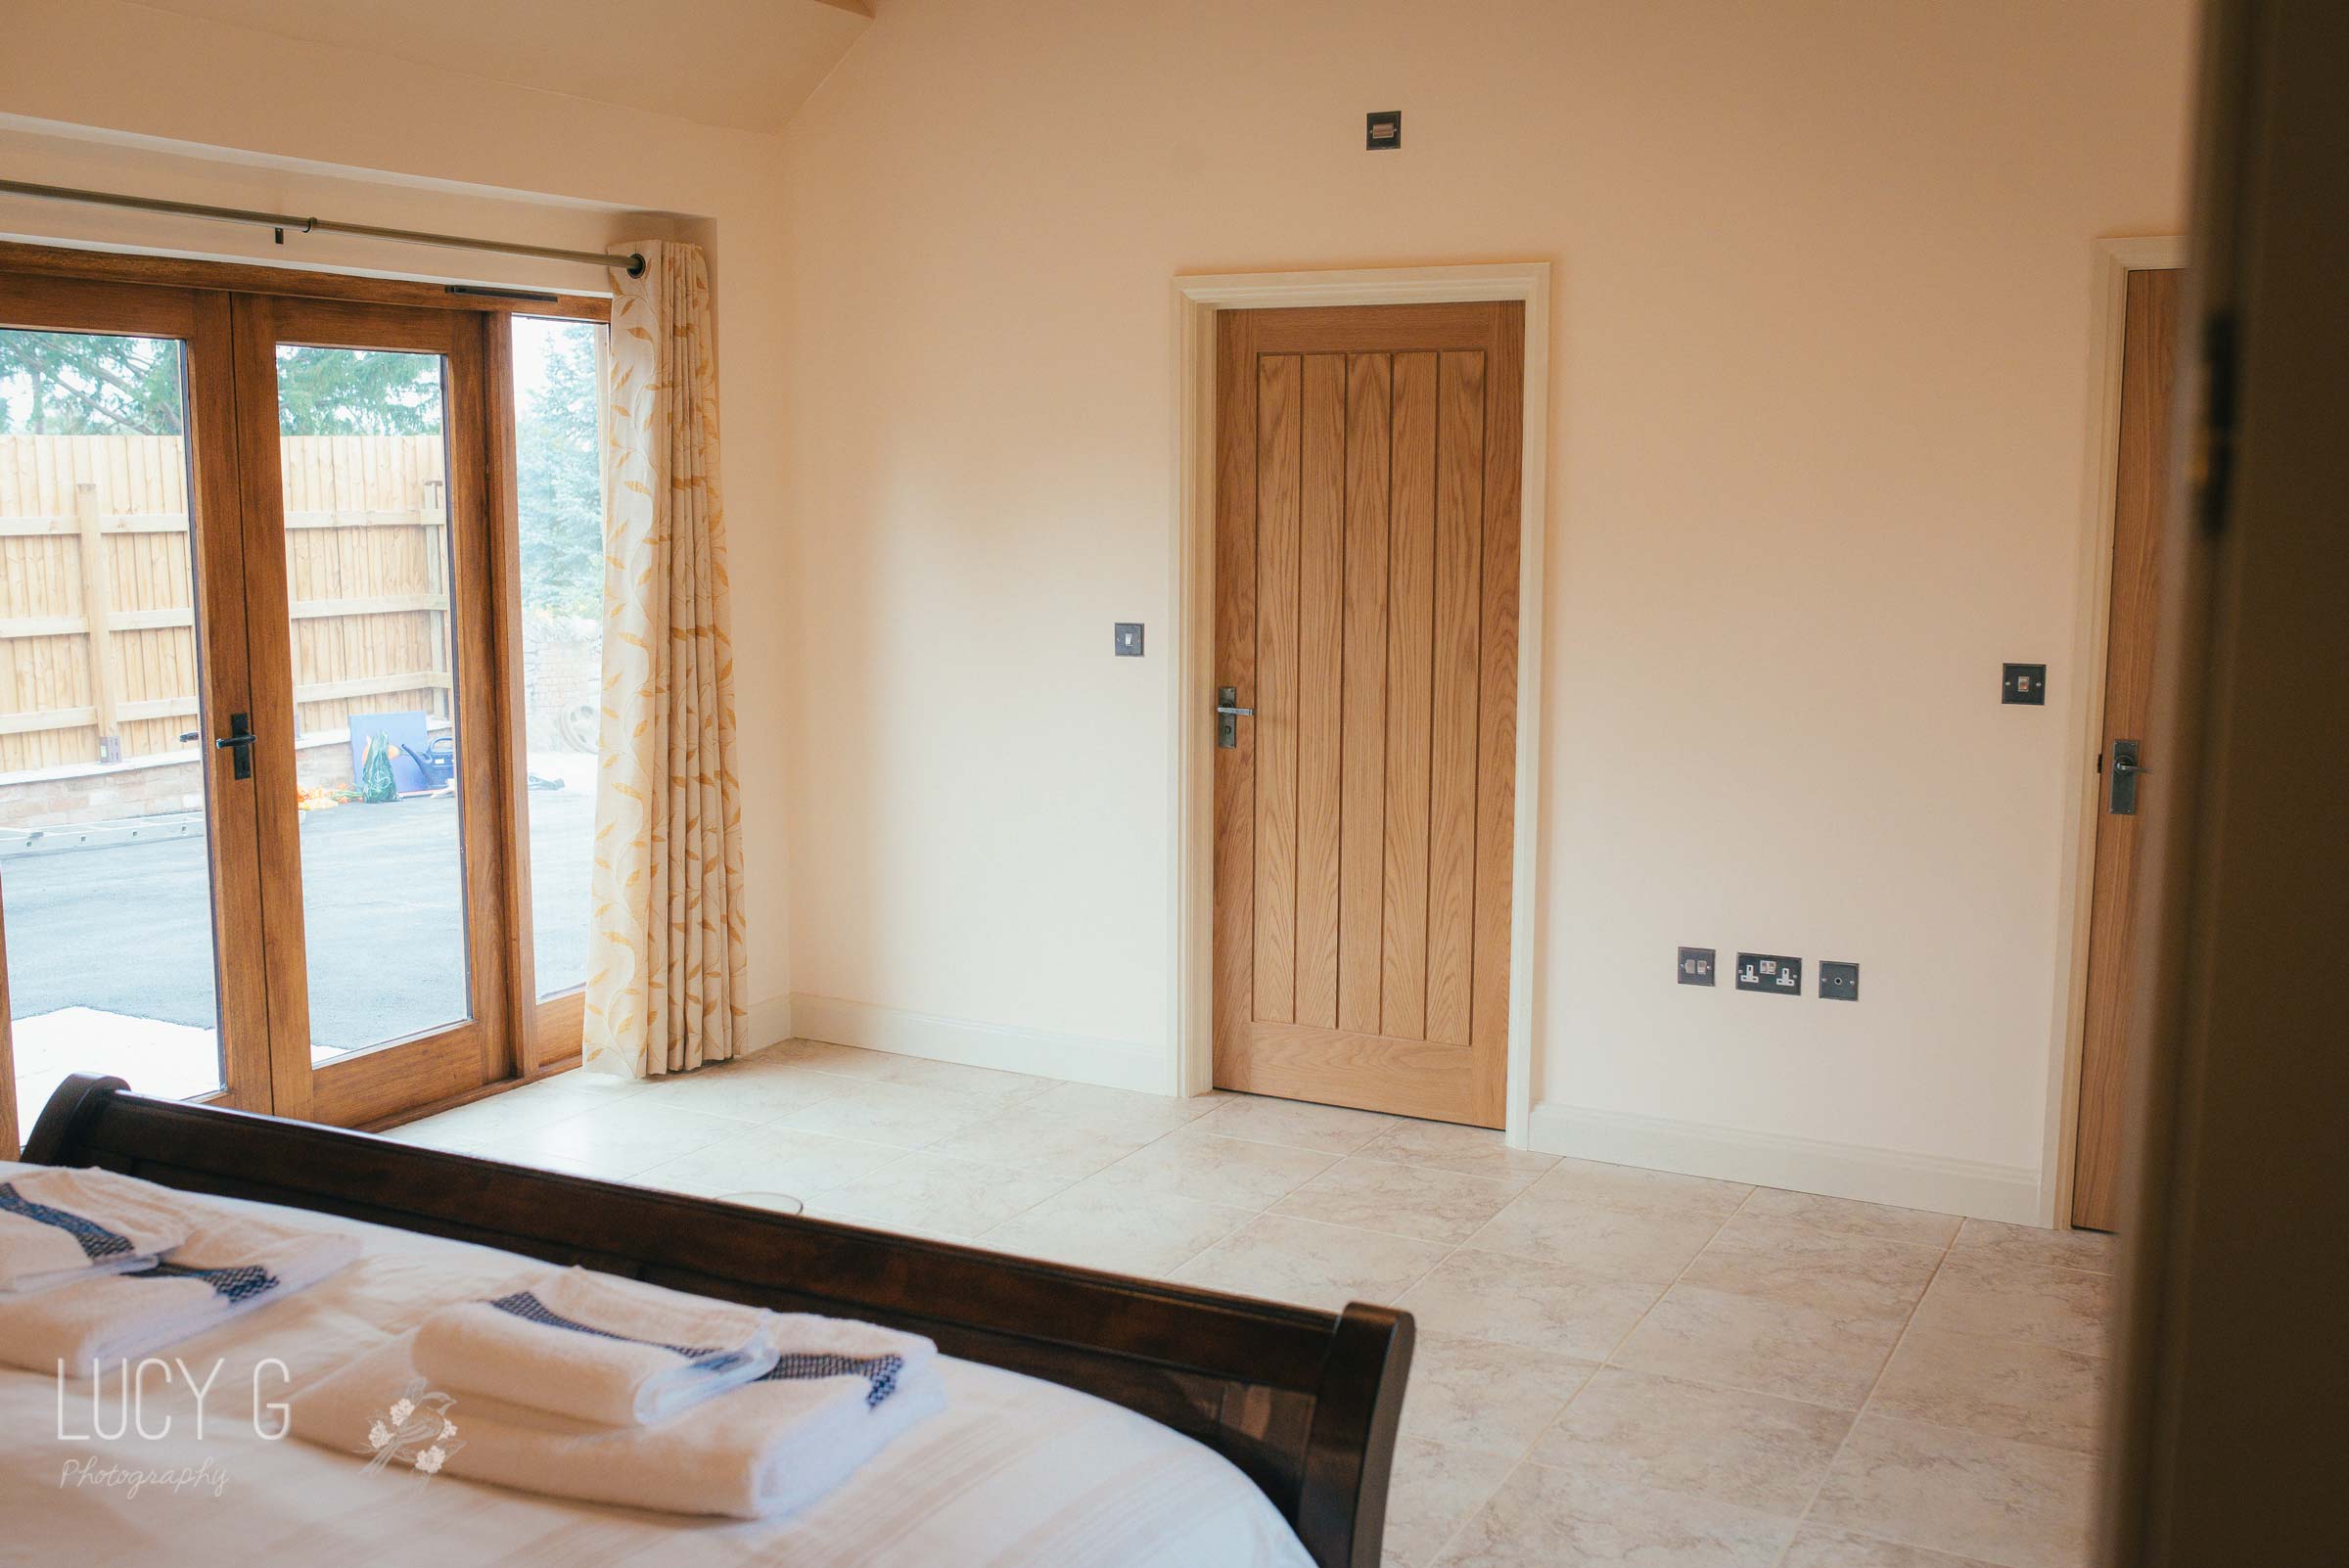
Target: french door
(255, 840)
(367, 617)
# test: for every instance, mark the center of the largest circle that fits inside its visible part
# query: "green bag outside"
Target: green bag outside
(375, 784)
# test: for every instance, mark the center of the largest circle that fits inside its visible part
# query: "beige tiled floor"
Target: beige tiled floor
(1614, 1365)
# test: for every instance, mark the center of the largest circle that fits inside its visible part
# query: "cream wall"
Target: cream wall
(1819, 388)
(116, 96)
(1818, 456)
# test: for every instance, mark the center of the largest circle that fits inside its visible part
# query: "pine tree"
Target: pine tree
(560, 481)
(78, 384)
(82, 384)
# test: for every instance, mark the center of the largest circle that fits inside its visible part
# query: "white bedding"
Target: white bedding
(1017, 1473)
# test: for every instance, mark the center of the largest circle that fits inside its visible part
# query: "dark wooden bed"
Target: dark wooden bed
(1305, 1403)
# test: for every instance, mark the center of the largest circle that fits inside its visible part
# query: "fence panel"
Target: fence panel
(98, 658)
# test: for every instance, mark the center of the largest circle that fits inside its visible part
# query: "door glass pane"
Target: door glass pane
(363, 449)
(105, 879)
(559, 464)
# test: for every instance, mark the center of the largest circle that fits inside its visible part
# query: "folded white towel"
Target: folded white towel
(231, 1263)
(60, 1225)
(595, 1347)
(840, 1395)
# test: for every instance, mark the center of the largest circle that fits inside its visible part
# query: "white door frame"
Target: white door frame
(1197, 298)
(2109, 330)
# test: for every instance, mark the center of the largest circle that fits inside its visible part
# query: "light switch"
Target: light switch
(1128, 642)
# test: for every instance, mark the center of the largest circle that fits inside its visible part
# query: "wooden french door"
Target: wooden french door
(141, 959)
(2148, 377)
(263, 610)
(1367, 638)
(383, 923)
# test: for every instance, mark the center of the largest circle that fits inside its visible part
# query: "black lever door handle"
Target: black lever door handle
(237, 742)
(2126, 769)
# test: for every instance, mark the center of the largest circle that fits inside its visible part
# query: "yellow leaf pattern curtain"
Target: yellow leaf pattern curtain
(664, 956)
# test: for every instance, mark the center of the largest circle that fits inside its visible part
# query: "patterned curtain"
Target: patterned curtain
(665, 959)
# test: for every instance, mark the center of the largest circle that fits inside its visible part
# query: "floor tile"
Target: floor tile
(983, 1083)
(1815, 1548)
(1406, 1199)
(1236, 1171)
(618, 1139)
(1637, 1191)
(1141, 1117)
(488, 1120)
(2044, 1306)
(1434, 1491)
(1561, 1308)
(1545, 1518)
(2003, 1388)
(771, 1159)
(2091, 1250)
(1036, 1136)
(1296, 1123)
(2017, 1504)
(1757, 1450)
(846, 1060)
(878, 1112)
(947, 1197)
(1095, 1225)
(1851, 1218)
(1766, 1347)
(1849, 1275)
(595, 1089)
(549, 1161)
(1312, 1264)
(1651, 1248)
(1478, 1393)
(1473, 1150)
(752, 1090)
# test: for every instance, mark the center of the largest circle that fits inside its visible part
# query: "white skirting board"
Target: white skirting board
(769, 1023)
(1803, 1164)
(1071, 1058)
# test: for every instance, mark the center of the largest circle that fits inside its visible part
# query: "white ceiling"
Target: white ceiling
(743, 63)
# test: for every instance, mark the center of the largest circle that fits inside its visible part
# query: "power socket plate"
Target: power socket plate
(1770, 971)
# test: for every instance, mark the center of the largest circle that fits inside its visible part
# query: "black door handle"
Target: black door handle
(2126, 769)
(239, 740)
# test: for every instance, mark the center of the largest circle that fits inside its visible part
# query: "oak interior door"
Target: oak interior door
(2148, 375)
(1366, 614)
(131, 906)
(368, 613)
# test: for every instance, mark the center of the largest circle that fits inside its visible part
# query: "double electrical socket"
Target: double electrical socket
(1772, 972)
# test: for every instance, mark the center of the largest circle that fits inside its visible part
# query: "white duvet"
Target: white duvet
(1017, 1473)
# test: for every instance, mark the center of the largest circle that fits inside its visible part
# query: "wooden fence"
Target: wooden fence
(96, 634)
